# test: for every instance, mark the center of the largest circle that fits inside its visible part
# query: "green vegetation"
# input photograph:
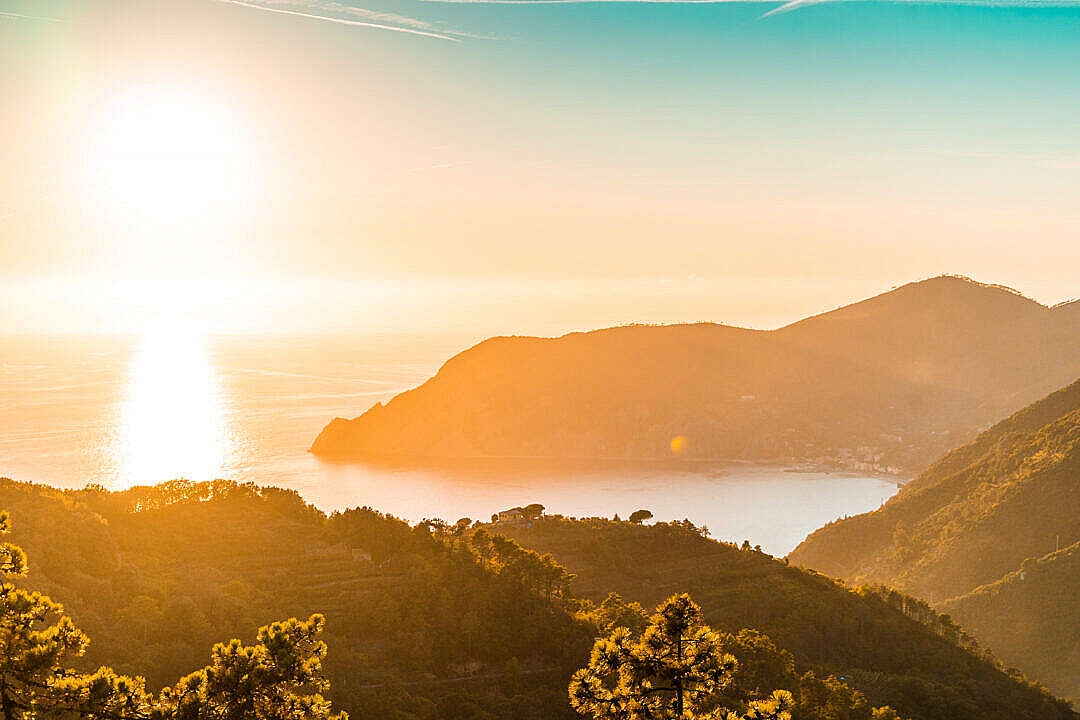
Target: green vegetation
(973, 519)
(1030, 619)
(676, 668)
(417, 628)
(974, 515)
(37, 640)
(671, 663)
(886, 384)
(441, 622)
(279, 677)
(893, 649)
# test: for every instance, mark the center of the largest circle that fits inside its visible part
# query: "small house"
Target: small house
(511, 517)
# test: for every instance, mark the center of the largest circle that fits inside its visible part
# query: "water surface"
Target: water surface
(123, 411)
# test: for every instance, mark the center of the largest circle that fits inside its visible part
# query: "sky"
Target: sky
(517, 166)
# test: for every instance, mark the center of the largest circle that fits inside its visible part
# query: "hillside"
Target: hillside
(971, 517)
(431, 623)
(155, 576)
(970, 520)
(884, 384)
(423, 623)
(894, 649)
(1029, 617)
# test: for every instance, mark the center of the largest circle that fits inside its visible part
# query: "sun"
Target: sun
(160, 158)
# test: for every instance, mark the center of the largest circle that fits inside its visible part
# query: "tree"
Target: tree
(640, 516)
(615, 612)
(279, 678)
(433, 526)
(675, 670)
(36, 641)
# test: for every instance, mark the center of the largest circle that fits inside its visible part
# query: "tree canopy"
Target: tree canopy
(676, 668)
(278, 678)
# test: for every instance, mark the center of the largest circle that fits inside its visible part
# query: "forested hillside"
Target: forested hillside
(156, 575)
(894, 648)
(1030, 618)
(974, 517)
(438, 622)
(886, 384)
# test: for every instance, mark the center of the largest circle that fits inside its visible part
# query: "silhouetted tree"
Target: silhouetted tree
(640, 516)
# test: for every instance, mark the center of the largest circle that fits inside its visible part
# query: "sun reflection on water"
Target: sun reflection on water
(172, 423)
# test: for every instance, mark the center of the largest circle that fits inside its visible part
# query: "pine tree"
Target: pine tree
(37, 640)
(278, 678)
(673, 671)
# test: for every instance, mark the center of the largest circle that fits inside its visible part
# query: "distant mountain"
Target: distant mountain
(884, 384)
(972, 519)
(893, 648)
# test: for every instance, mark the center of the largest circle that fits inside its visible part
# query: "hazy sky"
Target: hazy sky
(526, 166)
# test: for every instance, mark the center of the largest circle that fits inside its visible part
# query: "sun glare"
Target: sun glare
(159, 158)
(172, 424)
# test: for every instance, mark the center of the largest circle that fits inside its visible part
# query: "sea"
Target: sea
(126, 410)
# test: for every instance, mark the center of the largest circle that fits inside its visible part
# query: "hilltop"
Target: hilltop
(886, 384)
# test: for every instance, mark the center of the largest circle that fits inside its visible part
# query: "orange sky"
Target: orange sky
(264, 171)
